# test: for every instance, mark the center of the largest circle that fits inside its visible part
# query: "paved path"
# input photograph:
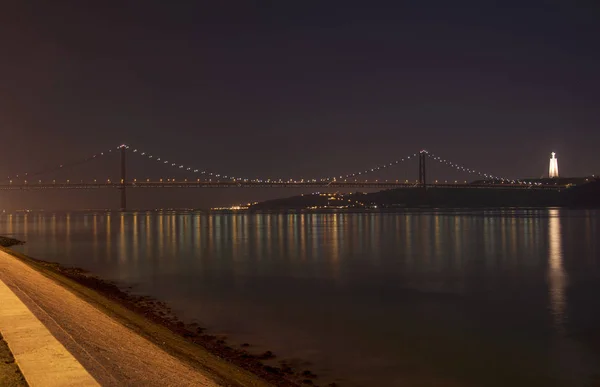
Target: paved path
(89, 344)
(42, 359)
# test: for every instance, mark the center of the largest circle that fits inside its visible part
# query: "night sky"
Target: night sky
(290, 88)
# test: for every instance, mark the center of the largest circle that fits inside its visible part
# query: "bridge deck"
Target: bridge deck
(225, 184)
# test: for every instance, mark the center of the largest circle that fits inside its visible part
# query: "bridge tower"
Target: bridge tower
(123, 187)
(423, 169)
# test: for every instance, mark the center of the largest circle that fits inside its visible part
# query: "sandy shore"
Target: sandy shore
(99, 318)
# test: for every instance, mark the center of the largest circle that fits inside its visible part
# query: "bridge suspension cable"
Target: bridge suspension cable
(468, 170)
(187, 168)
(218, 176)
(370, 170)
(191, 169)
(26, 175)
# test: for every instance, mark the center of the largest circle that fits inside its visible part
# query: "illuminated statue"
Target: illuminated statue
(553, 166)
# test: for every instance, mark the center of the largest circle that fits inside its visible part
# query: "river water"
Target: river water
(453, 298)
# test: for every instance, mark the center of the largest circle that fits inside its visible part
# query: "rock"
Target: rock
(267, 355)
(273, 370)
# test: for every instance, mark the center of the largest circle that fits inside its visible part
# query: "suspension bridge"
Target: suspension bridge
(207, 179)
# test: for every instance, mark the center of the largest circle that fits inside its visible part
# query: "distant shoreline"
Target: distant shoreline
(383, 210)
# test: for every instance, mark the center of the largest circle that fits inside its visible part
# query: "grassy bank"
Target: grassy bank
(10, 375)
(230, 365)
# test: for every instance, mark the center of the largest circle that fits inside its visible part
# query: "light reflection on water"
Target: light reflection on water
(557, 277)
(469, 298)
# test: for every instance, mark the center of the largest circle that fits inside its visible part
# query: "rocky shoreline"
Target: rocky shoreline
(8, 242)
(263, 364)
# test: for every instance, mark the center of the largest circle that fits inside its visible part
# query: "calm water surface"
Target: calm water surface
(469, 298)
